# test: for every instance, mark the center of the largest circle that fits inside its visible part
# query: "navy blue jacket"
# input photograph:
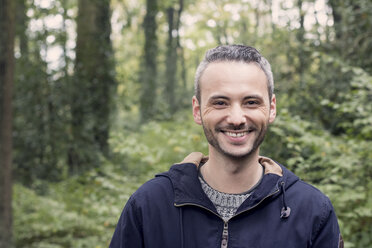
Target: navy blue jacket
(172, 211)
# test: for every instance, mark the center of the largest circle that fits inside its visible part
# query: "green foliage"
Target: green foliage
(353, 22)
(337, 94)
(79, 212)
(354, 107)
(83, 210)
(156, 145)
(339, 166)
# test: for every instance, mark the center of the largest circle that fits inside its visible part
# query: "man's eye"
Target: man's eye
(251, 102)
(219, 103)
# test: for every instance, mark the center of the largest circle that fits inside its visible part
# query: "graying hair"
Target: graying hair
(237, 53)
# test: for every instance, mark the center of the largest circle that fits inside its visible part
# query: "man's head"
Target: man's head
(238, 53)
(235, 102)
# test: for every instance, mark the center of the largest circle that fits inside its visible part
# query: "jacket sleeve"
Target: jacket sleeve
(128, 232)
(328, 233)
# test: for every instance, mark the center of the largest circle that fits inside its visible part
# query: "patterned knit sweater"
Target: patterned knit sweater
(226, 204)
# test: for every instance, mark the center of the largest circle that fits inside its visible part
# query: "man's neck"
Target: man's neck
(232, 175)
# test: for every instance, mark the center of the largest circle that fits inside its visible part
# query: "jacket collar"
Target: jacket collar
(187, 188)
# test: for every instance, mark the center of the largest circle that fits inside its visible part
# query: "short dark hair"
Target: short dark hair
(237, 53)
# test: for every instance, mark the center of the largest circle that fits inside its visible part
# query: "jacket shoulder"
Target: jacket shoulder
(314, 206)
(309, 192)
(301, 190)
(310, 198)
(155, 188)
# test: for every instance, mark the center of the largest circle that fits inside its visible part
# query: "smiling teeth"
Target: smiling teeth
(235, 134)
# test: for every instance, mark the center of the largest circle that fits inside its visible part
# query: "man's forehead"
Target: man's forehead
(232, 75)
(223, 64)
(220, 67)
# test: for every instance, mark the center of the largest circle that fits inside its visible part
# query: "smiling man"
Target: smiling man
(236, 198)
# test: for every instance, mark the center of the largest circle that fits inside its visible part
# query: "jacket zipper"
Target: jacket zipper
(225, 232)
(225, 235)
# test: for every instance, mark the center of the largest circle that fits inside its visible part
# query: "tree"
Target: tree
(21, 26)
(92, 89)
(301, 40)
(173, 45)
(352, 26)
(148, 74)
(40, 100)
(6, 79)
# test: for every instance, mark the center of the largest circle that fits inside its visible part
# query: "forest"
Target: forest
(95, 99)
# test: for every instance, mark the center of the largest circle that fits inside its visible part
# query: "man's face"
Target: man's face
(235, 110)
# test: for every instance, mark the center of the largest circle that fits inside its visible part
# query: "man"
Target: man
(236, 198)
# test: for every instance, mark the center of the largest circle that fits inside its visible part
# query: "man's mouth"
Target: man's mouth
(236, 134)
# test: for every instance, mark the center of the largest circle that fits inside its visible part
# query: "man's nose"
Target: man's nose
(236, 116)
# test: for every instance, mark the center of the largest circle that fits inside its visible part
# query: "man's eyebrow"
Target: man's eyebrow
(253, 97)
(219, 97)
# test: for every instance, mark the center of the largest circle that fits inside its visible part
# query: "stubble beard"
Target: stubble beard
(212, 140)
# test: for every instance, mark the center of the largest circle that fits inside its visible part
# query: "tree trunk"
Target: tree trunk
(270, 6)
(337, 17)
(174, 51)
(257, 15)
(171, 62)
(92, 89)
(7, 27)
(21, 26)
(180, 51)
(301, 41)
(148, 74)
(64, 41)
(105, 75)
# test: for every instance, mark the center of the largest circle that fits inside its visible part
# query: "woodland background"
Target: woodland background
(95, 99)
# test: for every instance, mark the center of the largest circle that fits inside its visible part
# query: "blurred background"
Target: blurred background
(96, 99)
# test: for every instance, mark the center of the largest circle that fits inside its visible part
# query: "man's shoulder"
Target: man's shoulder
(300, 188)
(156, 191)
(310, 197)
(163, 186)
(304, 193)
(309, 190)
(157, 185)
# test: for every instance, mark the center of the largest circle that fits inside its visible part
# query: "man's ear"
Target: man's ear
(196, 110)
(272, 109)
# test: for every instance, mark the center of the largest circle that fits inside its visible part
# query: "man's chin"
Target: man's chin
(238, 155)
